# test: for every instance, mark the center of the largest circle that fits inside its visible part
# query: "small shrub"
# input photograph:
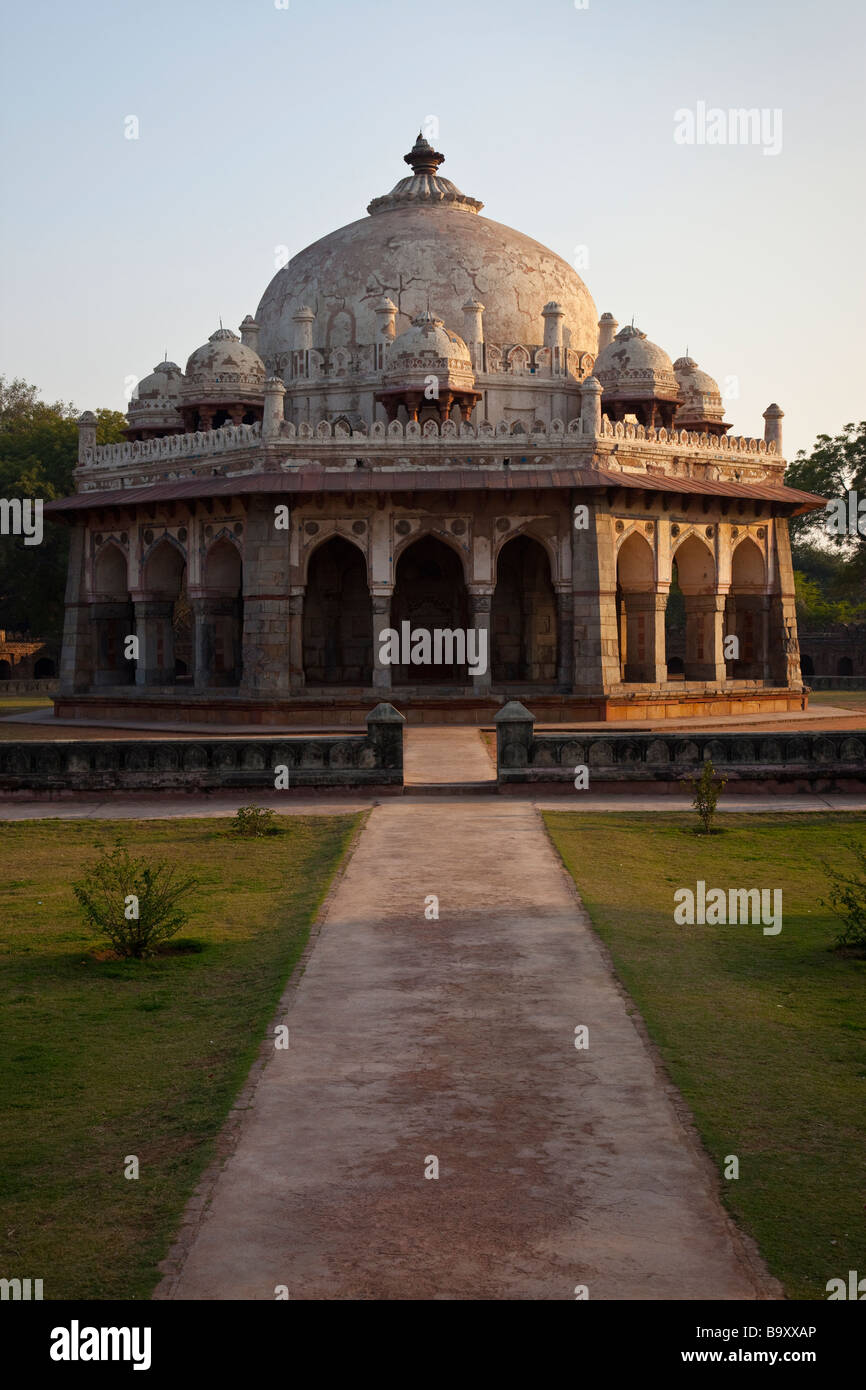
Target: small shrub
(707, 793)
(134, 904)
(253, 821)
(848, 900)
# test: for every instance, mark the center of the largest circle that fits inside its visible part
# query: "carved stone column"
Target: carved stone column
(297, 678)
(645, 638)
(596, 644)
(381, 600)
(112, 623)
(564, 637)
(216, 641)
(481, 601)
(76, 660)
(266, 653)
(153, 627)
(705, 637)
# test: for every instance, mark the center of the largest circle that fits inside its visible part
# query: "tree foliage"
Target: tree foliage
(830, 570)
(38, 454)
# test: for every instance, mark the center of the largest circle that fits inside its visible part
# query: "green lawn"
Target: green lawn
(105, 1058)
(765, 1036)
(844, 699)
(18, 704)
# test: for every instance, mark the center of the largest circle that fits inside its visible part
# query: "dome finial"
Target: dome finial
(422, 158)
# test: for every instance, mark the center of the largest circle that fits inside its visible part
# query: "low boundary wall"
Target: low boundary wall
(205, 764)
(818, 759)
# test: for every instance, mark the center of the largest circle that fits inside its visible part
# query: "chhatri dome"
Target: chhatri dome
(424, 243)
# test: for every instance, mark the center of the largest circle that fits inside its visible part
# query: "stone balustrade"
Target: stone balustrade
(169, 446)
(819, 757)
(208, 764)
(204, 443)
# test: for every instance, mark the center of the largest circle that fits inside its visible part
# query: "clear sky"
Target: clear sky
(262, 127)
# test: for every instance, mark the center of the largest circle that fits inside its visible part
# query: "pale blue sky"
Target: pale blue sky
(262, 127)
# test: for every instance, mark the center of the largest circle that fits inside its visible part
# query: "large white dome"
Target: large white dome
(424, 244)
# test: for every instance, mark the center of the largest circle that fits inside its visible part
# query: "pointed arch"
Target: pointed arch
(338, 616)
(523, 614)
(430, 592)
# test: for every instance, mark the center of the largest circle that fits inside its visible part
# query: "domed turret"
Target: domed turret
(428, 370)
(638, 379)
(224, 383)
(155, 408)
(702, 407)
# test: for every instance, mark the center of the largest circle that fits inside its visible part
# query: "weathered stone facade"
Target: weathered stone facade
(418, 476)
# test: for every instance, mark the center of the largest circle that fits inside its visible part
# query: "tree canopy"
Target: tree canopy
(38, 454)
(830, 569)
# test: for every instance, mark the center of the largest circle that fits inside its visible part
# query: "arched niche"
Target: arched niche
(523, 615)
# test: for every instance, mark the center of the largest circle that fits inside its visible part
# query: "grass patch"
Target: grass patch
(11, 704)
(764, 1036)
(843, 699)
(103, 1058)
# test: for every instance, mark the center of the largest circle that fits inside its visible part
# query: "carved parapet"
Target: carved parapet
(173, 446)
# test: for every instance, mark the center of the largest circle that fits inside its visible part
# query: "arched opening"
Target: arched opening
(430, 592)
(219, 618)
(113, 615)
(44, 669)
(636, 610)
(845, 667)
(693, 577)
(166, 625)
(807, 666)
(338, 617)
(5, 670)
(747, 612)
(523, 615)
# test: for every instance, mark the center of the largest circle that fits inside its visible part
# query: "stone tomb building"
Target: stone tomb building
(427, 422)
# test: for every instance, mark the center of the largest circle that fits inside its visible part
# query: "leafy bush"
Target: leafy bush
(848, 900)
(253, 821)
(135, 904)
(707, 793)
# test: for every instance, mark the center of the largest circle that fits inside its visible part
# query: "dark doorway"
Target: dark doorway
(524, 615)
(338, 617)
(430, 593)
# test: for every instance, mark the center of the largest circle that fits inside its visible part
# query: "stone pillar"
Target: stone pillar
(385, 732)
(564, 637)
(784, 648)
(481, 600)
(381, 601)
(593, 569)
(249, 331)
(274, 410)
(590, 406)
(607, 326)
(705, 636)
(213, 617)
(86, 435)
(297, 677)
(153, 627)
(303, 340)
(112, 623)
(76, 658)
(645, 638)
(515, 727)
(473, 332)
(266, 658)
(773, 418)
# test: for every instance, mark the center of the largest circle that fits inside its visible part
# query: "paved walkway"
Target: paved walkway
(413, 1039)
(443, 755)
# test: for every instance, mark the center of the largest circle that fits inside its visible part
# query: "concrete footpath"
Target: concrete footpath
(417, 1042)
